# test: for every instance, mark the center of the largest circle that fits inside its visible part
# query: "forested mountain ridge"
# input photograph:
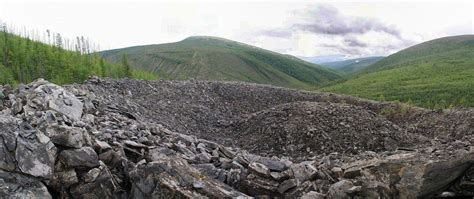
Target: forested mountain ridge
(434, 74)
(23, 60)
(212, 58)
(351, 66)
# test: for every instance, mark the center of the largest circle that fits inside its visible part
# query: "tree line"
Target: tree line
(28, 55)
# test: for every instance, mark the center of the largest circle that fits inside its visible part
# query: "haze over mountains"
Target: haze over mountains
(352, 65)
(212, 58)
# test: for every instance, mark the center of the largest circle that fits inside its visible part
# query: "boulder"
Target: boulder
(35, 153)
(84, 158)
(68, 136)
(173, 177)
(304, 171)
(14, 185)
(48, 96)
(259, 169)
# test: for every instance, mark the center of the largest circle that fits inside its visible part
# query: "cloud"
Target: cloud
(324, 30)
(326, 19)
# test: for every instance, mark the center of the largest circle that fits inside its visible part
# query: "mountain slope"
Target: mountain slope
(435, 74)
(22, 60)
(352, 65)
(211, 58)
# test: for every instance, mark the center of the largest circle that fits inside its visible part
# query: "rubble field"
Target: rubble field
(204, 139)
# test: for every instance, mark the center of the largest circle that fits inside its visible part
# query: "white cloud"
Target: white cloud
(365, 28)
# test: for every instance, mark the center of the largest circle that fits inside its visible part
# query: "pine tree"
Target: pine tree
(126, 65)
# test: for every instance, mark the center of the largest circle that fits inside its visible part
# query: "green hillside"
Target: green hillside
(23, 60)
(352, 65)
(434, 74)
(211, 58)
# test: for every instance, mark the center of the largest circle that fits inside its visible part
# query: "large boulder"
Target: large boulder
(35, 153)
(48, 96)
(173, 177)
(84, 157)
(410, 175)
(14, 185)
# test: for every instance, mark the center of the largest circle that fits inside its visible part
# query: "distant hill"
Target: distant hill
(212, 58)
(324, 58)
(352, 65)
(435, 74)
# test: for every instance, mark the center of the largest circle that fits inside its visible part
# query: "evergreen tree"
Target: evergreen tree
(126, 66)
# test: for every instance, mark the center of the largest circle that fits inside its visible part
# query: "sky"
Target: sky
(300, 28)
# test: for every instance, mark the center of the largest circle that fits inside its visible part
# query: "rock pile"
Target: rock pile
(78, 142)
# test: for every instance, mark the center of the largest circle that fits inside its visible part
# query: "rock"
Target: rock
(203, 157)
(103, 186)
(337, 172)
(14, 185)
(226, 152)
(8, 137)
(287, 184)
(259, 169)
(340, 189)
(280, 176)
(304, 171)
(64, 179)
(55, 98)
(101, 146)
(208, 170)
(68, 136)
(313, 195)
(84, 158)
(174, 177)
(161, 152)
(92, 175)
(255, 185)
(35, 153)
(233, 177)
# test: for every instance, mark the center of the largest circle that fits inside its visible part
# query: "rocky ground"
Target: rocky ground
(195, 139)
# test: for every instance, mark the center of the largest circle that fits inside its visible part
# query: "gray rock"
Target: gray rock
(35, 153)
(304, 171)
(101, 146)
(64, 179)
(340, 189)
(259, 169)
(287, 184)
(313, 195)
(8, 137)
(91, 175)
(103, 186)
(68, 136)
(84, 157)
(280, 176)
(14, 185)
(173, 176)
(255, 185)
(55, 98)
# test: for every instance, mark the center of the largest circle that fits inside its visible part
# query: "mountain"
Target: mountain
(324, 59)
(434, 74)
(352, 65)
(212, 58)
